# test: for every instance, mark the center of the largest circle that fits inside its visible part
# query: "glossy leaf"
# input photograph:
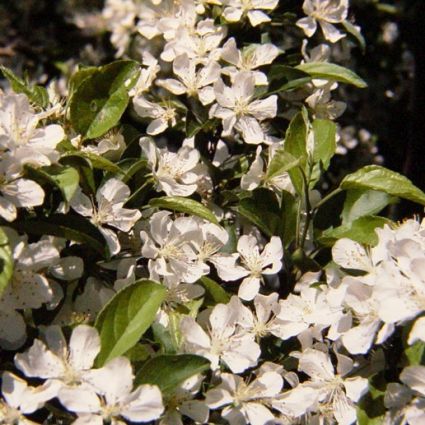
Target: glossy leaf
(100, 100)
(375, 177)
(324, 142)
(96, 161)
(169, 371)
(214, 292)
(332, 72)
(126, 317)
(184, 205)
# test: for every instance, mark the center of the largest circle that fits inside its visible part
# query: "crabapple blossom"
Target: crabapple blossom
(253, 9)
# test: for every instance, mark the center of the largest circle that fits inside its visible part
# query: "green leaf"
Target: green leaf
(415, 353)
(352, 30)
(100, 100)
(361, 230)
(169, 371)
(126, 317)
(214, 292)
(284, 78)
(81, 75)
(296, 136)
(36, 94)
(65, 178)
(71, 227)
(375, 177)
(281, 162)
(360, 203)
(184, 205)
(371, 408)
(96, 161)
(6, 261)
(289, 212)
(324, 142)
(332, 72)
(261, 209)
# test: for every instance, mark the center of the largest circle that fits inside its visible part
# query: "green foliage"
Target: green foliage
(332, 72)
(126, 317)
(375, 177)
(324, 142)
(100, 99)
(36, 94)
(169, 371)
(214, 292)
(6, 261)
(184, 205)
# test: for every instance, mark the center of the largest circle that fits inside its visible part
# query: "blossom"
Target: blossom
(245, 403)
(326, 13)
(252, 9)
(162, 115)
(236, 108)
(110, 198)
(174, 173)
(114, 384)
(21, 136)
(193, 82)
(253, 264)
(21, 399)
(223, 341)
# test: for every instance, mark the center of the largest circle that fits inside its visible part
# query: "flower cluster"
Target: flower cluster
(170, 218)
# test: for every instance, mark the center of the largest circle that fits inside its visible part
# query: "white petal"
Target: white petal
(330, 32)
(84, 346)
(414, 378)
(417, 332)
(81, 399)
(256, 17)
(308, 25)
(249, 288)
(143, 405)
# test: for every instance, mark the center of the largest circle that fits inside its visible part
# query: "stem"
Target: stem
(326, 198)
(307, 209)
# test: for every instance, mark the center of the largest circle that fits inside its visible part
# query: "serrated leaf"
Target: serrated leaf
(71, 227)
(6, 261)
(96, 161)
(361, 230)
(169, 371)
(360, 203)
(324, 142)
(184, 205)
(100, 100)
(375, 177)
(65, 178)
(36, 94)
(332, 72)
(261, 209)
(126, 317)
(214, 292)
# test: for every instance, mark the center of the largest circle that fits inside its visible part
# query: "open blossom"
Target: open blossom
(176, 173)
(253, 264)
(20, 399)
(245, 403)
(248, 59)
(326, 13)
(192, 81)
(110, 198)
(169, 249)
(223, 341)
(163, 116)
(237, 109)
(22, 137)
(111, 396)
(253, 9)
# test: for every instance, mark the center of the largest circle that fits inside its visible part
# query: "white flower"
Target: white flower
(326, 13)
(29, 288)
(162, 115)
(111, 145)
(21, 136)
(174, 173)
(236, 9)
(21, 399)
(223, 341)
(245, 403)
(193, 82)
(333, 390)
(168, 247)
(67, 366)
(236, 108)
(114, 383)
(110, 198)
(248, 59)
(253, 264)
(147, 75)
